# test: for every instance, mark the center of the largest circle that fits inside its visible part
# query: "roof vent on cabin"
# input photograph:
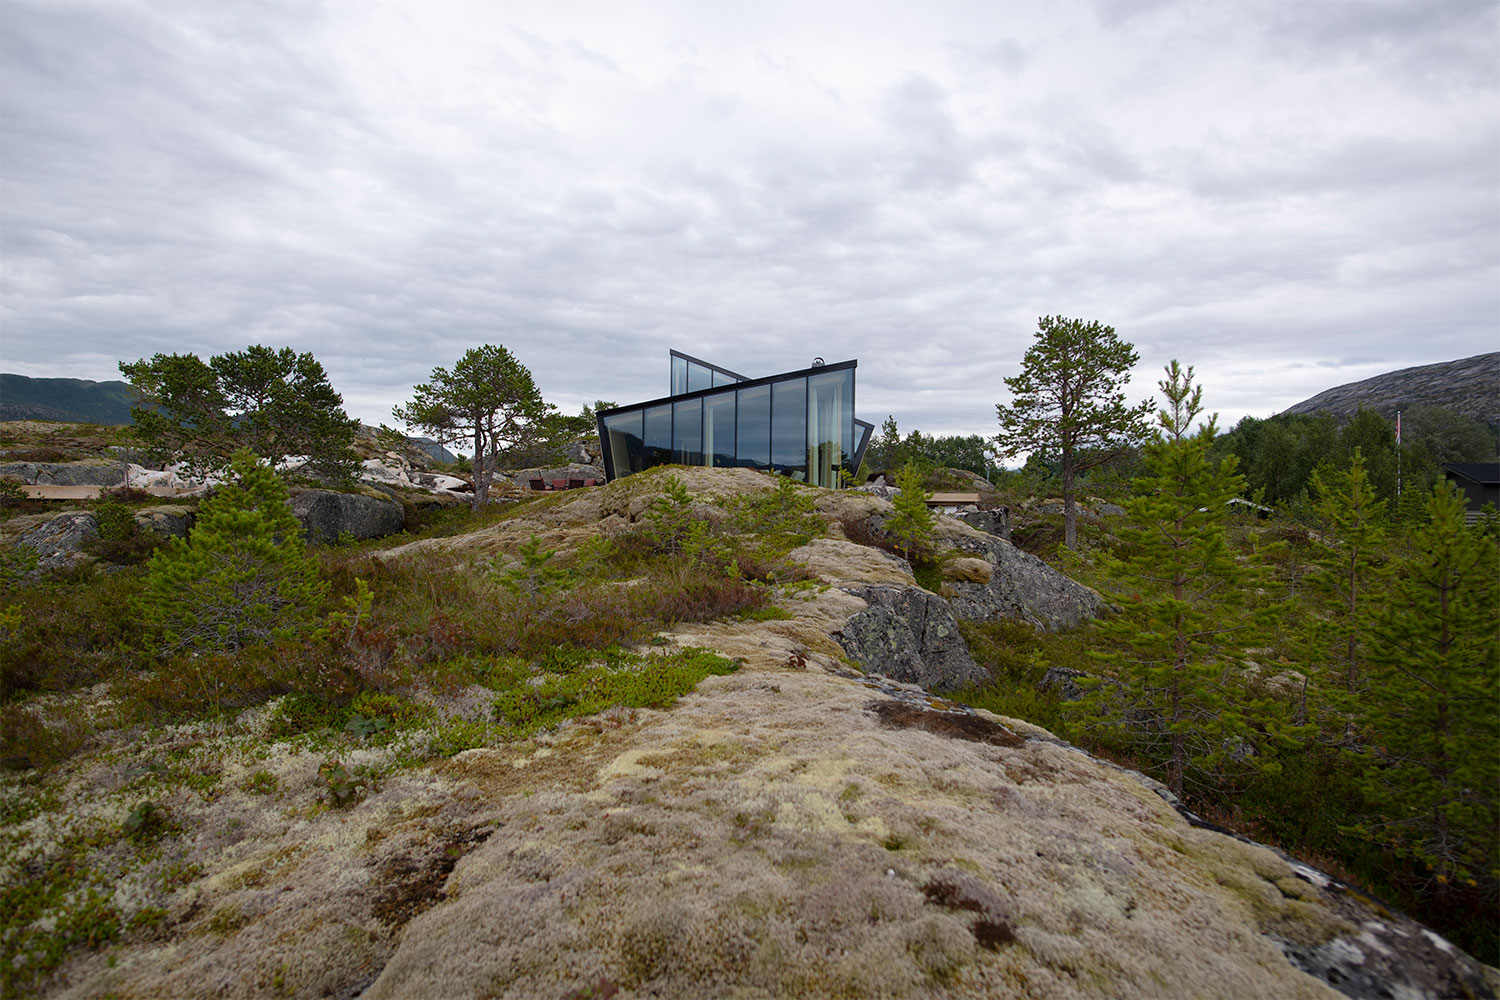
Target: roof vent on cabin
(817, 362)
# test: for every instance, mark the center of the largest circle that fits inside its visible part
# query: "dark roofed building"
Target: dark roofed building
(799, 424)
(1480, 483)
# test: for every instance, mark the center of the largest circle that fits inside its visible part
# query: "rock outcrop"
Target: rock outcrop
(326, 515)
(167, 520)
(790, 829)
(909, 634)
(1021, 587)
(58, 542)
(992, 522)
(89, 472)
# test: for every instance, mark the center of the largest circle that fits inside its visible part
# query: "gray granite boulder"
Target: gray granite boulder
(326, 515)
(1021, 588)
(91, 472)
(909, 634)
(580, 453)
(59, 543)
(168, 520)
(992, 522)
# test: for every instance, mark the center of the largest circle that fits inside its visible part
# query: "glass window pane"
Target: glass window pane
(679, 376)
(862, 432)
(699, 377)
(658, 436)
(687, 432)
(721, 379)
(718, 430)
(753, 428)
(789, 428)
(830, 425)
(624, 443)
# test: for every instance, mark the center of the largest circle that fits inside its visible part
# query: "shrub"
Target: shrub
(11, 494)
(58, 636)
(121, 540)
(534, 575)
(912, 522)
(242, 576)
(782, 519)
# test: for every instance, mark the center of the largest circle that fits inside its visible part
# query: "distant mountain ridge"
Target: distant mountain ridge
(1470, 386)
(74, 400)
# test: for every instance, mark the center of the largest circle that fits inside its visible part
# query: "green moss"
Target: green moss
(626, 679)
(769, 613)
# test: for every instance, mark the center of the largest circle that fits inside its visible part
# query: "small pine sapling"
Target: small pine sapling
(242, 576)
(912, 523)
(534, 575)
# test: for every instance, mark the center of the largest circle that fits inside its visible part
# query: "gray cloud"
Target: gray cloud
(1287, 197)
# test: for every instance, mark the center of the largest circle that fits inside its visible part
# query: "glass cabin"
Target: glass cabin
(800, 424)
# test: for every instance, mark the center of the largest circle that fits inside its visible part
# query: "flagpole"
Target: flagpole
(1398, 459)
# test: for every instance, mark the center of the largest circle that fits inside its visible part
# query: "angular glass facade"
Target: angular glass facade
(689, 374)
(800, 424)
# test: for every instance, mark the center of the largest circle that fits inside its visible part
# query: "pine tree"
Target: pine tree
(1352, 519)
(1180, 698)
(275, 403)
(912, 523)
(1069, 401)
(1430, 711)
(243, 574)
(488, 398)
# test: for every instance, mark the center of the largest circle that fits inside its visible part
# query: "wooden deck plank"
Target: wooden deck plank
(949, 499)
(92, 492)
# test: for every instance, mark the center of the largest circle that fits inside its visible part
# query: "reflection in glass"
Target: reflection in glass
(718, 430)
(687, 432)
(658, 435)
(830, 425)
(699, 377)
(862, 432)
(789, 428)
(754, 428)
(679, 376)
(623, 431)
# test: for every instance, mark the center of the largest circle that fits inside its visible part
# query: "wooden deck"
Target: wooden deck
(952, 499)
(92, 492)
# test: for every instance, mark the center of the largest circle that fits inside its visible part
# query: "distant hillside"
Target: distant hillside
(74, 400)
(1470, 386)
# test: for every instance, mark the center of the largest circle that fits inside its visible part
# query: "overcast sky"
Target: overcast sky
(1288, 196)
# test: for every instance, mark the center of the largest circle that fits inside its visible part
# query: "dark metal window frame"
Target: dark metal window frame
(743, 383)
(706, 364)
